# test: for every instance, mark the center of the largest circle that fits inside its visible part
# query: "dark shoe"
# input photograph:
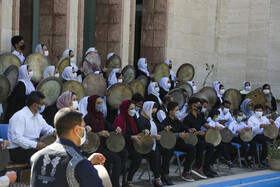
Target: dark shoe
(157, 183)
(244, 164)
(264, 164)
(187, 177)
(208, 174)
(167, 180)
(199, 173)
(248, 163)
(230, 164)
(212, 171)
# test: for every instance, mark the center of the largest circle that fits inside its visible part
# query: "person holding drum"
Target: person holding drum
(271, 105)
(237, 127)
(143, 69)
(162, 112)
(138, 99)
(69, 74)
(127, 121)
(153, 93)
(114, 77)
(18, 44)
(220, 89)
(246, 88)
(42, 49)
(17, 100)
(99, 125)
(51, 71)
(165, 86)
(225, 115)
(246, 108)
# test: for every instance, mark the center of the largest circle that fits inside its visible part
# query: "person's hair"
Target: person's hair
(202, 101)
(34, 97)
(247, 82)
(42, 45)
(129, 103)
(73, 93)
(193, 100)
(171, 106)
(226, 102)
(236, 112)
(137, 98)
(70, 52)
(213, 112)
(66, 119)
(118, 75)
(265, 85)
(166, 98)
(155, 106)
(221, 86)
(16, 39)
(258, 106)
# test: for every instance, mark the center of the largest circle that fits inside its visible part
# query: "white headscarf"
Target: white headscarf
(163, 83)
(73, 64)
(173, 76)
(91, 49)
(110, 55)
(39, 49)
(112, 77)
(244, 91)
(147, 109)
(66, 53)
(152, 90)
(68, 74)
(49, 72)
(24, 77)
(83, 106)
(142, 67)
(216, 86)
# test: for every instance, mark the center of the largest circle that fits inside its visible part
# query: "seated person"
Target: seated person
(164, 87)
(25, 128)
(162, 112)
(138, 99)
(271, 105)
(153, 93)
(225, 116)
(9, 178)
(246, 108)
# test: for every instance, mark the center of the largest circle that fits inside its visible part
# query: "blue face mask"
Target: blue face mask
(99, 108)
(138, 109)
(41, 110)
(239, 118)
(218, 118)
(145, 65)
(249, 108)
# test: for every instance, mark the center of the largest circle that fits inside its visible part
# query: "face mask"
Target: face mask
(46, 53)
(248, 88)
(41, 110)
(75, 105)
(31, 73)
(170, 67)
(57, 75)
(217, 118)
(177, 114)
(22, 47)
(132, 112)
(226, 110)
(74, 75)
(239, 118)
(83, 139)
(168, 85)
(222, 92)
(73, 60)
(138, 109)
(203, 110)
(145, 66)
(258, 114)
(157, 89)
(198, 109)
(266, 91)
(194, 88)
(99, 108)
(119, 80)
(249, 108)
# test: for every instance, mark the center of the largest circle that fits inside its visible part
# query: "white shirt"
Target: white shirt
(4, 181)
(226, 116)
(161, 115)
(19, 55)
(277, 122)
(255, 123)
(213, 124)
(235, 126)
(25, 129)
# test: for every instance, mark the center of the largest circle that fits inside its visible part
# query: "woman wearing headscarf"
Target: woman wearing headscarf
(69, 53)
(192, 83)
(114, 77)
(139, 100)
(69, 74)
(246, 88)
(128, 123)
(143, 69)
(153, 93)
(51, 71)
(42, 49)
(148, 126)
(99, 125)
(271, 105)
(83, 105)
(220, 89)
(165, 86)
(246, 108)
(24, 87)
(172, 76)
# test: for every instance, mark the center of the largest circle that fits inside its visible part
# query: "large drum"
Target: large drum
(161, 70)
(90, 61)
(113, 63)
(8, 59)
(167, 140)
(92, 143)
(187, 89)
(234, 97)
(128, 73)
(74, 86)
(62, 64)
(5, 88)
(211, 95)
(185, 72)
(179, 97)
(257, 97)
(146, 146)
(118, 93)
(144, 80)
(213, 136)
(115, 142)
(138, 87)
(95, 84)
(12, 73)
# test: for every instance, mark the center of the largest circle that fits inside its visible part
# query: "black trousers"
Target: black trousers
(117, 160)
(262, 139)
(135, 158)
(200, 147)
(244, 152)
(154, 161)
(20, 155)
(190, 156)
(166, 157)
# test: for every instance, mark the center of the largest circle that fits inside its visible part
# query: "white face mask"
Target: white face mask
(168, 85)
(258, 114)
(203, 110)
(46, 53)
(266, 91)
(248, 88)
(74, 75)
(222, 92)
(83, 139)
(132, 112)
(75, 105)
(31, 74)
(194, 89)
(157, 89)
(119, 80)
(57, 75)
(73, 60)
(177, 114)
(145, 65)
(226, 110)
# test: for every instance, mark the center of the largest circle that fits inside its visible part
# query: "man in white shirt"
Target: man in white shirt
(258, 122)
(225, 115)
(18, 44)
(25, 128)
(162, 112)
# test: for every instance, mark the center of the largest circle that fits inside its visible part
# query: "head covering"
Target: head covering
(142, 67)
(39, 49)
(245, 108)
(163, 83)
(64, 100)
(112, 77)
(191, 83)
(243, 91)
(49, 72)
(120, 120)
(66, 53)
(68, 74)
(91, 49)
(24, 77)
(110, 55)
(83, 106)
(152, 90)
(173, 76)
(214, 85)
(96, 117)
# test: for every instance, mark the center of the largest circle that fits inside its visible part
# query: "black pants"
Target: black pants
(262, 139)
(117, 160)
(200, 147)
(244, 147)
(190, 156)
(135, 158)
(20, 155)
(221, 150)
(166, 157)
(154, 161)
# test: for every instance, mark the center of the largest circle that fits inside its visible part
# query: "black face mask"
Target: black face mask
(170, 67)
(22, 47)
(154, 115)
(198, 109)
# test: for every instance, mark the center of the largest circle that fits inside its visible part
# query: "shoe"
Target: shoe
(248, 163)
(157, 183)
(264, 164)
(244, 164)
(212, 171)
(230, 164)
(129, 184)
(199, 173)
(167, 180)
(187, 177)
(208, 174)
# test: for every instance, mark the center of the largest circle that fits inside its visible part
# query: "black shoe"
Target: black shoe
(212, 171)
(248, 163)
(167, 181)
(244, 164)
(208, 173)
(264, 164)
(230, 164)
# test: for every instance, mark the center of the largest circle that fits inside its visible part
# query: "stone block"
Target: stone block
(116, 2)
(160, 22)
(147, 39)
(45, 24)
(61, 6)
(160, 39)
(160, 6)
(114, 47)
(115, 14)
(60, 44)
(46, 7)
(59, 26)
(114, 33)
(101, 32)
(101, 13)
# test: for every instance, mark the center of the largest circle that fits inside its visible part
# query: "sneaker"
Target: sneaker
(208, 174)
(187, 177)
(157, 183)
(167, 180)
(230, 164)
(199, 173)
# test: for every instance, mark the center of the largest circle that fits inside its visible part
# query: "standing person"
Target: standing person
(42, 49)
(172, 76)
(271, 105)
(165, 86)
(62, 163)
(220, 89)
(192, 83)
(114, 77)
(19, 46)
(246, 88)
